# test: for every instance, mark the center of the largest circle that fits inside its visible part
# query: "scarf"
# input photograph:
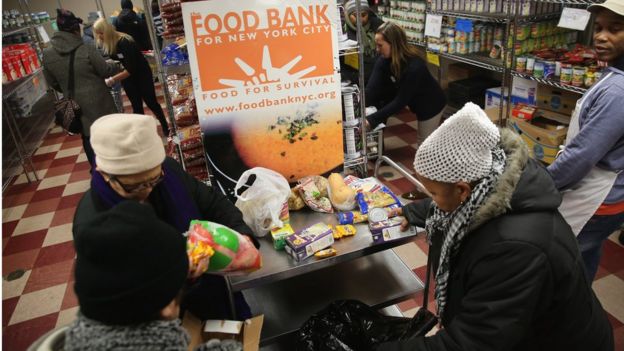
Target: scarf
(88, 334)
(368, 36)
(180, 208)
(454, 226)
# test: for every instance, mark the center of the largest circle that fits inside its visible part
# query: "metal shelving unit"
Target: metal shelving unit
(358, 164)
(163, 73)
(511, 17)
(519, 20)
(24, 130)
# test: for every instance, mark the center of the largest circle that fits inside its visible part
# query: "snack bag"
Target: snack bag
(227, 250)
(383, 197)
(313, 197)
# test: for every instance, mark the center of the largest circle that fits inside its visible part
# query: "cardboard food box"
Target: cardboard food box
(543, 135)
(524, 112)
(494, 113)
(524, 89)
(306, 242)
(247, 332)
(389, 229)
(556, 100)
(279, 236)
(493, 97)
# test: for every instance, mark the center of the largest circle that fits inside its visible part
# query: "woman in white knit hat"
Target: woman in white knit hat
(131, 165)
(508, 271)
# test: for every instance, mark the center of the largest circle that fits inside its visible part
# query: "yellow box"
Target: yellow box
(542, 136)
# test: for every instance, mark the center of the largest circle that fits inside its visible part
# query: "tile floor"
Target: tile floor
(38, 254)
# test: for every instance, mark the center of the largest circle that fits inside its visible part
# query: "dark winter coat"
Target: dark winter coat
(369, 53)
(518, 281)
(212, 204)
(130, 23)
(415, 88)
(90, 70)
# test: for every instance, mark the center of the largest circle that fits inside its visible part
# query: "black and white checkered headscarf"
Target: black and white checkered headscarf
(454, 225)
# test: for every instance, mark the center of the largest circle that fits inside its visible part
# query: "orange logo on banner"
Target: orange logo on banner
(296, 44)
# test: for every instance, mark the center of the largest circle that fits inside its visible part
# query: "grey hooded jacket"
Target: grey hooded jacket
(90, 70)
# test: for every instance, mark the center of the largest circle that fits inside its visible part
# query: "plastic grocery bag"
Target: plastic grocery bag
(348, 325)
(220, 249)
(265, 203)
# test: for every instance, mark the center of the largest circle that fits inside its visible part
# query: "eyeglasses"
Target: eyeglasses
(136, 188)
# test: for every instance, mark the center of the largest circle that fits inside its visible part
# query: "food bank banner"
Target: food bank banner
(266, 82)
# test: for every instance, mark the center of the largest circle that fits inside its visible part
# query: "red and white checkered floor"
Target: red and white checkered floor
(37, 240)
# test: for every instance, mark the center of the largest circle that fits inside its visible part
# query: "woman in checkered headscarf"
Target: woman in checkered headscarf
(507, 268)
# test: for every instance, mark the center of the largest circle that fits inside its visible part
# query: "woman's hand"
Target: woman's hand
(110, 81)
(399, 212)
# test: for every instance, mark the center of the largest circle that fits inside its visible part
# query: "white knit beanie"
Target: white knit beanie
(350, 6)
(126, 143)
(460, 149)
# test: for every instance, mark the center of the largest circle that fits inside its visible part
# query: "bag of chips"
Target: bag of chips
(227, 250)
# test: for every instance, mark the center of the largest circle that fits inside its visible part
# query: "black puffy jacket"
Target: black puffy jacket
(517, 282)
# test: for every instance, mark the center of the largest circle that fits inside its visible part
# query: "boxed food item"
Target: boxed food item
(524, 89)
(542, 135)
(247, 332)
(389, 229)
(556, 100)
(279, 236)
(524, 112)
(306, 242)
(493, 97)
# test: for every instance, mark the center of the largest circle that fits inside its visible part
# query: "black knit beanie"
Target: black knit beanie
(66, 21)
(126, 4)
(129, 265)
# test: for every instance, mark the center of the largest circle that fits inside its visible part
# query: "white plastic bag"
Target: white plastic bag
(265, 201)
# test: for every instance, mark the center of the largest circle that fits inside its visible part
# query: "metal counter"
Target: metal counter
(288, 292)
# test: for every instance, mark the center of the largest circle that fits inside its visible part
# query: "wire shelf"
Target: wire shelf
(421, 44)
(572, 2)
(550, 82)
(488, 17)
(16, 30)
(9, 88)
(536, 18)
(475, 60)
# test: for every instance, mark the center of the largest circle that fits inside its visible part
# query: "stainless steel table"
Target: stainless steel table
(288, 292)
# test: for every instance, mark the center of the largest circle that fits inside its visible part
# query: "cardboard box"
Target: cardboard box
(524, 112)
(556, 100)
(524, 89)
(493, 97)
(542, 136)
(455, 71)
(389, 229)
(306, 242)
(247, 332)
(493, 113)
(279, 236)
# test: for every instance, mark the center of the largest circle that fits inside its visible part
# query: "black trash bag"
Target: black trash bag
(349, 325)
